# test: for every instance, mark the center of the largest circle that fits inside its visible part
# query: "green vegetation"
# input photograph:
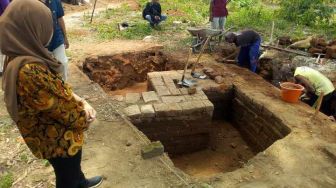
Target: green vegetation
(24, 158)
(46, 163)
(6, 180)
(307, 12)
(296, 18)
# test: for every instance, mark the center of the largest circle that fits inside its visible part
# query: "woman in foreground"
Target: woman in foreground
(49, 116)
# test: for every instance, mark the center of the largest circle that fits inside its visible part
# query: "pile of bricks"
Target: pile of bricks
(166, 101)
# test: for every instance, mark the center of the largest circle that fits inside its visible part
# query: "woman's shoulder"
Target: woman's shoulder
(35, 72)
(33, 67)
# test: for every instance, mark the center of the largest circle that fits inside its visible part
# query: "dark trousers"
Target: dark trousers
(327, 103)
(68, 172)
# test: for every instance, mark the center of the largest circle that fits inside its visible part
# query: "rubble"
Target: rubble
(151, 150)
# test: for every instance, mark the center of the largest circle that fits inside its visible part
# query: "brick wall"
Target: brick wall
(256, 123)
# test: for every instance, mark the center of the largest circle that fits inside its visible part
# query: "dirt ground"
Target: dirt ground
(227, 152)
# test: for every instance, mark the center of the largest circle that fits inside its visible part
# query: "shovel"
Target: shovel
(184, 82)
(193, 73)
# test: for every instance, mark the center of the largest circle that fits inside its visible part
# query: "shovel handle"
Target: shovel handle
(186, 65)
(200, 54)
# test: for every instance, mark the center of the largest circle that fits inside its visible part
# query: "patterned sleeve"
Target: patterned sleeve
(44, 92)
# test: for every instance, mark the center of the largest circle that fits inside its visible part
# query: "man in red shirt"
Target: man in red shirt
(218, 13)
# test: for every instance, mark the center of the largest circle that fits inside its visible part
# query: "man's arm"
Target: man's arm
(145, 12)
(305, 83)
(62, 25)
(60, 20)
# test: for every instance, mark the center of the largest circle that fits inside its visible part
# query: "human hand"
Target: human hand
(90, 112)
(66, 43)
(157, 17)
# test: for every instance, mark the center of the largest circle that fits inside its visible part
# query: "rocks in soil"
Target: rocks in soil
(149, 38)
(208, 70)
(285, 40)
(211, 73)
(302, 44)
(128, 144)
(331, 52)
(233, 145)
(118, 98)
(151, 150)
(314, 45)
(219, 79)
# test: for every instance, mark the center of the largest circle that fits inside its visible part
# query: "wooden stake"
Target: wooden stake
(319, 102)
(94, 7)
(287, 50)
(271, 39)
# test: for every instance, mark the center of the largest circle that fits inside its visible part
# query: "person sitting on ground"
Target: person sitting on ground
(218, 13)
(59, 41)
(49, 116)
(315, 83)
(152, 13)
(249, 42)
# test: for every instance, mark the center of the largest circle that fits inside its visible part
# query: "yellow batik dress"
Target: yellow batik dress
(50, 121)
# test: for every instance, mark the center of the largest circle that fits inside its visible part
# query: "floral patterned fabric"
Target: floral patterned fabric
(51, 121)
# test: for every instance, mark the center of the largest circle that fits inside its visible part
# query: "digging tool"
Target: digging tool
(193, 73)
(184, 82)
(287, 50)
(230, 56)
(94, 7)
(318, 60)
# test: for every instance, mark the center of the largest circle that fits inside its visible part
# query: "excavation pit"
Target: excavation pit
(121, 73)
(245, 105)
(213, 131)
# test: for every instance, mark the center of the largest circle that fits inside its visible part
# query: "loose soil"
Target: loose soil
(120, 71)
(227, 152)
(135, 88)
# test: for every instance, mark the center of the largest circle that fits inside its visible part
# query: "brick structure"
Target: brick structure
(182, 122)
(167, 101)
(167, 113)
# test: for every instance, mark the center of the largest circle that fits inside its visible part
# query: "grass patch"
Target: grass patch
(255, 14)
(24, 158)
(6, 180)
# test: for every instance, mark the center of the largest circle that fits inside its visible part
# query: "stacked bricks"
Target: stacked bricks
(259, 126)
(179, 120)
(167, 102)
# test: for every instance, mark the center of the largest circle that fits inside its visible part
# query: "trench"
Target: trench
(236, 131)
(203, 148)
(119, 74)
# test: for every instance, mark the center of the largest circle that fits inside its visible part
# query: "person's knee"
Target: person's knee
(148, 17)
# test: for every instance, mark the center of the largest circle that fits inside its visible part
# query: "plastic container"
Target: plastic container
(291, 92)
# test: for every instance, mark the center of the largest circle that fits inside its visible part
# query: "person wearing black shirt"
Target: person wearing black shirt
(152, 13)
(249, 42)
